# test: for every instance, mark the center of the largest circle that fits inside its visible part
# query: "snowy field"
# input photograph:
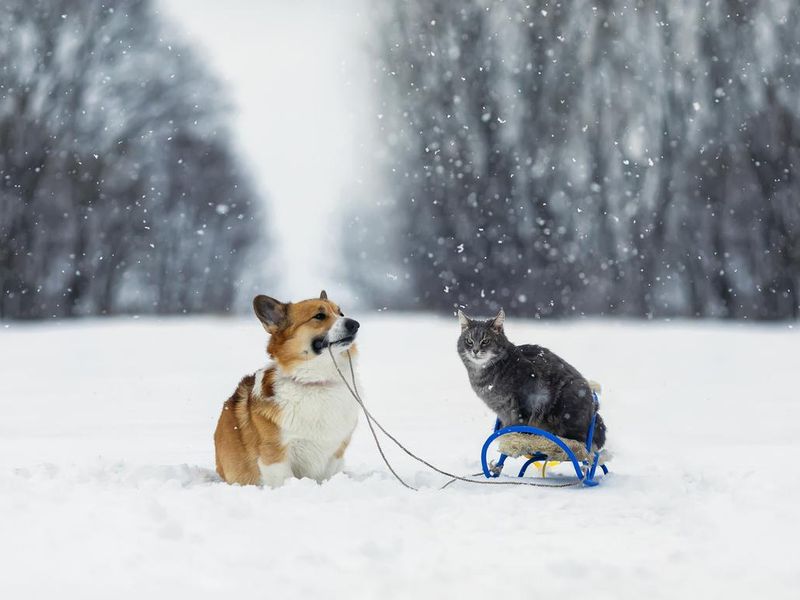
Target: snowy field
(107, 487)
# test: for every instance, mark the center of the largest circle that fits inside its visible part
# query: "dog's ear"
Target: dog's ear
(497, 322)
(270, 312)
(323, 295)
(463, 320)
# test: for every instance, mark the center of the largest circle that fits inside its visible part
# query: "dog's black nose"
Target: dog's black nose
(351, 326)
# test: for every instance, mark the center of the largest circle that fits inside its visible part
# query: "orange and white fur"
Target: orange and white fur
(294, 417)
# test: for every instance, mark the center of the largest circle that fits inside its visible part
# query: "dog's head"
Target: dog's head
(301, 331)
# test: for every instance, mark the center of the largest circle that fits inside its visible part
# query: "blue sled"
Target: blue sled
(587, 476)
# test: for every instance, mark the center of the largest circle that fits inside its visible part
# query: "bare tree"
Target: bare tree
(577, 157)
(119, 190)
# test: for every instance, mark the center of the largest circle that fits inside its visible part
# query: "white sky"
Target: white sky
(296, 74)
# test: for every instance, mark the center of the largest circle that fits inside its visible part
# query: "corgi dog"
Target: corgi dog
(294, 417)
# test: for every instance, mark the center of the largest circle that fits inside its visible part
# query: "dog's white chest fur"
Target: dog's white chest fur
(318, 415)
(321, 414)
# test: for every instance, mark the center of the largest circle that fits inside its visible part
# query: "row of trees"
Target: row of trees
(119, 190)
(571, 157)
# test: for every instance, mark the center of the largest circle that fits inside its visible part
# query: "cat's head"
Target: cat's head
(481, 342)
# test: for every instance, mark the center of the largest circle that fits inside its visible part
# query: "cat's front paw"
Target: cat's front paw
(495, 469)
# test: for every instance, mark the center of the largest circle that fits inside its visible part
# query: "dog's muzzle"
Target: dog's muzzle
(341, 334)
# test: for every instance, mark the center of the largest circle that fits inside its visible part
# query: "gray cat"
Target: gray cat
(527, 385)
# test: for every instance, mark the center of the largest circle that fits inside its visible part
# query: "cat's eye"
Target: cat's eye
(484, 342)
(468, 342)
(320, 316)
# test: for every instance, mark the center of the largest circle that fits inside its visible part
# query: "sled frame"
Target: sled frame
(584, 470)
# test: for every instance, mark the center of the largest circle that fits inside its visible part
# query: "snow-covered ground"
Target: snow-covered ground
(107, 488)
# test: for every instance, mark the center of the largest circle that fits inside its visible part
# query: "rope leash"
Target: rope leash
(370, 420)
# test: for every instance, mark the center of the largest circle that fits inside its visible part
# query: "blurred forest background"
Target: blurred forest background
(583, 157)
(555, 158)
(119, 189)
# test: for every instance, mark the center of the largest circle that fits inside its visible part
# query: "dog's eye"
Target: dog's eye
(320, 316)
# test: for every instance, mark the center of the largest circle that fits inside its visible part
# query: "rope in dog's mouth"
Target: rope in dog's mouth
(372, 423)
(321, 343)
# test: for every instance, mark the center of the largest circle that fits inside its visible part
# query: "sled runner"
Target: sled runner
(538, 445)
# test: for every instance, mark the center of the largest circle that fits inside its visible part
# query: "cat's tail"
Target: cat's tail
(599, 437)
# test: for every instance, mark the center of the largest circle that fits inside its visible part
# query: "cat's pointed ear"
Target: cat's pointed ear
(497, 322)
(270, 312)
(463, 320)
(323, 295)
